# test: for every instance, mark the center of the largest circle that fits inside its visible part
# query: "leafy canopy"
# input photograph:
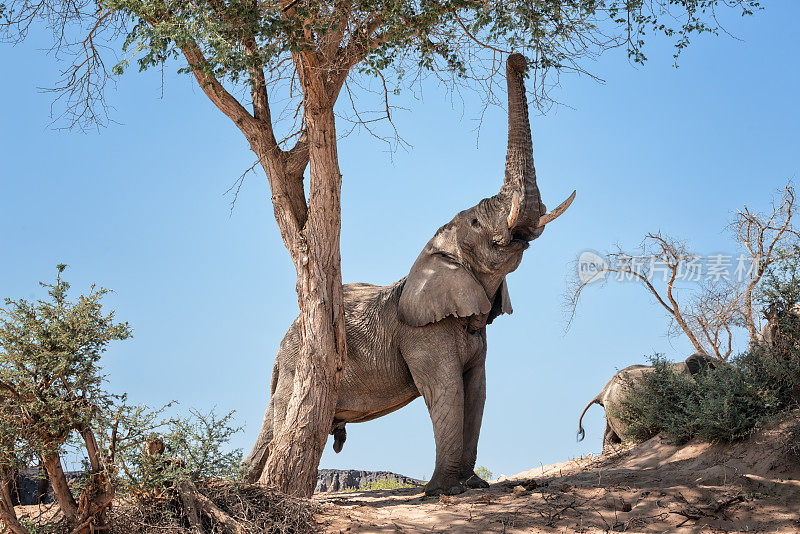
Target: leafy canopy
(459, 39)
(51, 381)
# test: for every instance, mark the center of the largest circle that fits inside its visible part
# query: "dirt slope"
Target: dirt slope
(653, 487)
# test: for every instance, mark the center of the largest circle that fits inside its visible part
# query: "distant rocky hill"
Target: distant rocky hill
(31, 487)
(341, 479)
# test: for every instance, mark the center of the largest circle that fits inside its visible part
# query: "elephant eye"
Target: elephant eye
(475, 223)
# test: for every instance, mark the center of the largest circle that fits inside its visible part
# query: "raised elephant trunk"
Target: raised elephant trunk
(520, 173)
(526, 210)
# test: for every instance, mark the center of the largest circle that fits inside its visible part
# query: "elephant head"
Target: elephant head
(699, 362)
(462, 269)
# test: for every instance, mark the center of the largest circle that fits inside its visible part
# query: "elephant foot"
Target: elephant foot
(433, 489)
(475, 482)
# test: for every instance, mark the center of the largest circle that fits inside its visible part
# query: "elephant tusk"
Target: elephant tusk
(512, 215)
(550, 216)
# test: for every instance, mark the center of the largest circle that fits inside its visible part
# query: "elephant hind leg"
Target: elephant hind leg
(254, 463)
(610, 437)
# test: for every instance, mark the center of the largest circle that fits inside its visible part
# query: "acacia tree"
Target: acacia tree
(53, 402)
(247, 55)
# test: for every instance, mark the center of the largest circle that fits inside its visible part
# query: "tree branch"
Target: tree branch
(221, 98)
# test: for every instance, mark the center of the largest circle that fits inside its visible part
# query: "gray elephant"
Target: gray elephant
(612, 394)
(426, 334)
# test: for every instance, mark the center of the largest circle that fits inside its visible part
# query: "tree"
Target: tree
(767, 238)
(53, 400)
(304, 53)
(708, 314)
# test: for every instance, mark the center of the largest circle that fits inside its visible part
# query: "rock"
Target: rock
(519, 491)
(530, 484)
(343, 479)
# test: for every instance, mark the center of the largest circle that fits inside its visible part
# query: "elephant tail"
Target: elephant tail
(581, 433)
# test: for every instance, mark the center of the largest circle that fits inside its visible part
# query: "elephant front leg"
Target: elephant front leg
(444, 396)
(474, 399)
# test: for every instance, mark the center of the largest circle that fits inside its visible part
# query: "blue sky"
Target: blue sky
(138, 207)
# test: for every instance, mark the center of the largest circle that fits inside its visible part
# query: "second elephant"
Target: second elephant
(612, 394)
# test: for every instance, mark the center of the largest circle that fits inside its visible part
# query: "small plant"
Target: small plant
(484, 473)
(37, 528)
(387, 483)
(200, 440)
(191, 448)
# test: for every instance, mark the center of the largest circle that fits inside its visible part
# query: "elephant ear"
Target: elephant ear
(438, 286)
(501, 304)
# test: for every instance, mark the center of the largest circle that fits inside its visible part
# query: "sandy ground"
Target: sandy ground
(752, 486)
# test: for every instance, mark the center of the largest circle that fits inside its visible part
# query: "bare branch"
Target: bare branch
(763, 236)
(708, 315)
(237, 186)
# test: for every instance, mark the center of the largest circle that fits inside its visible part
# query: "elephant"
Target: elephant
(610, 397)
(425, 335)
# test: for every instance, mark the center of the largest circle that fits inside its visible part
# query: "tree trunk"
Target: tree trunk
(8, 518)
(61, 491)
(297, 447)
(99, 492)
(311, 234)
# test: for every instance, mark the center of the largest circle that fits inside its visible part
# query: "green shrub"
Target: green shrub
(201, 441)
(775, 368)
(194, 448)
(659, 403)
(717, 405)
(484, 473)
(727, 405)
